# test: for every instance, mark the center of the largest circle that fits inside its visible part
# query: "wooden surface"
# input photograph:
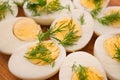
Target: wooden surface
(6, 75)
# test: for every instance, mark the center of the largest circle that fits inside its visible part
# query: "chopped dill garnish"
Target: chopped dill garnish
(97, 9)
(39, 52)
(41, 6)
(53, 64)
(81, 20)
(4, 7)
(81, 71)
(117, 55)
(108, 19)
(70, 37)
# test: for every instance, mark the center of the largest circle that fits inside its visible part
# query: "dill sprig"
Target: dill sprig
(81, 20)
(4, 7)
(117, 55)
(44, 7)
(39, 52)
(70, 38)
(97, 9)
(108, 19)
(81, 71)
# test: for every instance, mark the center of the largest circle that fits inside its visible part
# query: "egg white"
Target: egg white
(8, 41)
(82, 58)
(47, 19)
(111, 66)
(87, 28)
(104, 29)
(24, 69)
(79, 6)
(14, 9)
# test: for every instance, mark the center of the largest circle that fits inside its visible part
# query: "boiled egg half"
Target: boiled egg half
(16, 32)
(108, 21)
(73, 31)
(81, 65)
(107, 50)
(37, 60)
(45, 11)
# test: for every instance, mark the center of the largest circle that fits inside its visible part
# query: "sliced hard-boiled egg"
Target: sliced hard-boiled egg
(73, 31)
(17, 31)
(45, 11)
(90, 4)
(7, 9)
(107, 50)
(81, 65)
(37, 61)
(108, 21)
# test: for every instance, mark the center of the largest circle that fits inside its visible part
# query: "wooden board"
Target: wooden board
(4, 71)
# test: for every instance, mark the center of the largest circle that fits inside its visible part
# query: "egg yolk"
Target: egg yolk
(91, 74)
(26, 29)
(39, 57)
(111, 44)
(89, 4)
(115, 23)
(65, 23)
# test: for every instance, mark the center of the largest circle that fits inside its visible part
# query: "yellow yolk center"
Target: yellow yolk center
(111, 43)
(92, 74)
(52, 47)
(114, 23)
(89, 4)
(26, 29)
(65, 21)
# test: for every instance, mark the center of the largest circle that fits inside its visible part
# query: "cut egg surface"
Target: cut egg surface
(107, 50)
(108, 21)
(48, 10)
(7, 9)
(90, 5)
(73, 31)
(81, 66)
(40, 64)
(17, 32)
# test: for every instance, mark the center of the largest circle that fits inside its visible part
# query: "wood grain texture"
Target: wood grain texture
(4, 71)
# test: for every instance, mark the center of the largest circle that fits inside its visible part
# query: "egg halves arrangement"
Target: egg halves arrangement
(38, 55)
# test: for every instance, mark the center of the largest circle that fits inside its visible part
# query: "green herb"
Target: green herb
(70, 37)
(97, 9)
(117, 55)
(4, 7)
(50, 8)
(108, 19)
(39, 52)
(53, 64)
(81, 72)
(81, 19)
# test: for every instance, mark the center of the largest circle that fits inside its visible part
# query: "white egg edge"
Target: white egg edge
(100, 29)
(111, 66)
(79, 6)
(9, 41)
(22, 68)
(47, 19)
(82, 58)
(88, 26)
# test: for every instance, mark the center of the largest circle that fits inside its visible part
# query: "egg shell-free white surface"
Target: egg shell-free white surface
(82, 58)
(47, 19)
(22, 68)
(104, 29)
(111, 66)
(8, 41)
(87, 28)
